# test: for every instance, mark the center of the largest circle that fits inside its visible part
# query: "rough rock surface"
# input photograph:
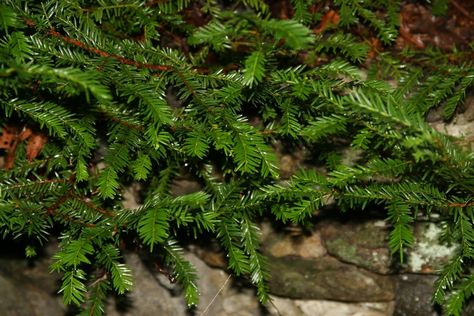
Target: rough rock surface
(155, 295)
(468, 308)
(149, 296)
(427, 254)
(28, 289)
(361, 243)
(329, 279)
(231, 299)
(283, 244)
(461, 126)
(285, 306)
(212, 257)
(26, 296)
(414, 293)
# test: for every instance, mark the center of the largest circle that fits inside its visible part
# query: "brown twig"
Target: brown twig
(126, 124)
(103, 277)
(45, 181)
(462, 205)
(165, 272)
(52, 209)
(461, 9)
(102, 53)
(94, 207)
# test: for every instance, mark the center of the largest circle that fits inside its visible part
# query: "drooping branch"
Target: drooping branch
(105, 54)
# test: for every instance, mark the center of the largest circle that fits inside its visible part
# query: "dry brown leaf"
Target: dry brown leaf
(35, 144)
(10, 138)
(330, 18)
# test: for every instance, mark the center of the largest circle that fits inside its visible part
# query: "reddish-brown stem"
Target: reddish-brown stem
(52, 209)
(102, 53)
(126, 124)
(462, 205)
(94, 207)
(41, 182)
(461, 9)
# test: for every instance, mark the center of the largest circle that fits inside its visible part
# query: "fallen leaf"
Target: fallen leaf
(8, 141)
(25, 133)
(330, 18)
(8, 137)
(35, 144)
(375, 47)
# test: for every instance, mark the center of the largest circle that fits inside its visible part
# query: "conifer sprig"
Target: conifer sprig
(140, 91)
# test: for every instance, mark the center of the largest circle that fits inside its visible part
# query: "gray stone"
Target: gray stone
(218, 294)
(414, 293)
(148, 297)
(428, 254)
(28, 289)
(327, 278)
(130, 196)
(211, 256)
(25, 299)
(468, 308)
(461, 127)
(184, 186)
(287, 166)
(284, 306)
(469, 109)
(363, 244)
(155, 295)
(285, 244)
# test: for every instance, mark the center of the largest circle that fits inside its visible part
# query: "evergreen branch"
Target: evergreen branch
(141, 166)
(229, 233)
(387, 109)
(290, 123)
(73, 288)
(254, 68)
(89, 204)
(184, 272)
(214, 33)
(27, 185)
(258, 265)
(48, 114)
(116, 84)
(153, 227)
(460, 205)
(121, 277)
(450, 272)
(88, 81)
(324, 126)
(401, 235)
(108, 183)
(8, 18)
(98, 295)
(456, 299)
(51, 210)
(296, 35)
(412, 193)
(258, 5)
(302, 13)
(196, 144)
(344, 44)
(150, 97)
(96, 51)
(73, 254)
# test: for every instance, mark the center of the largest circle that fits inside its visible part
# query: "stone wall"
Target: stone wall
(340, 268)
(345, 268)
